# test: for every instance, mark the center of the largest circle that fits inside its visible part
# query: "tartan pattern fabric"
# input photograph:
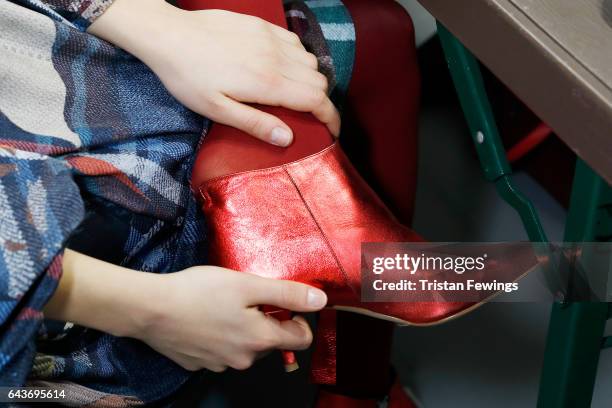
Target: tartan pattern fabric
(336, 26)
(326, 30)
(87, 128)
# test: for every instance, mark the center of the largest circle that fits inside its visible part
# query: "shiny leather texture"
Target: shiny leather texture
(324, 359)
(384, 138)
(382, 144)
(305, 221)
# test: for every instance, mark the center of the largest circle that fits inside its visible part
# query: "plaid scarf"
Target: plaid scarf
(86, 131)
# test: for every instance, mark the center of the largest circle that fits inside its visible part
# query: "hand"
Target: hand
(209, 318)
(215, 61)
(202, 317)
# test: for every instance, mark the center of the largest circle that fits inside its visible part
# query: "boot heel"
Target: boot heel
(289, 359)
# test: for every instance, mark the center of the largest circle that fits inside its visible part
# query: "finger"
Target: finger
(306, 98)
(216, 368)
(294, 334)
(194, 362)
(256, 123)
(300, 56)
(327, 113)
(274, 89)
(294, 296)
(305, 75)
(241, 361)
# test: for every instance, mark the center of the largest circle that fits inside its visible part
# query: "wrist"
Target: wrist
(105, 297)
(137, 26)
(143, 308)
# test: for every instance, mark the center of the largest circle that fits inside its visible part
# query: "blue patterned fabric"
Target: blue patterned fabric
(88, 130)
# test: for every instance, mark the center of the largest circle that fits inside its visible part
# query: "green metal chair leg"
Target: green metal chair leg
(572, 353)
(576, 329)
(465, 72)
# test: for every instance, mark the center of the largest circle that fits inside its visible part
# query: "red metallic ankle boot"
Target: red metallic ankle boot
(304, 220)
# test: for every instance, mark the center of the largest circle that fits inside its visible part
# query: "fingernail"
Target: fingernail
(316, 298)
(280, 137)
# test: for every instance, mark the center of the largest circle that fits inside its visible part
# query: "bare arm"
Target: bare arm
(202, 317)
(104, 296)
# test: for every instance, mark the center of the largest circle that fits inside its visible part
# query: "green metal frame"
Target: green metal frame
(465, 72)
(576, 329)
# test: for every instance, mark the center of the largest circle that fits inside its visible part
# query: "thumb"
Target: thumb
(261, 125)
(294, 296)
